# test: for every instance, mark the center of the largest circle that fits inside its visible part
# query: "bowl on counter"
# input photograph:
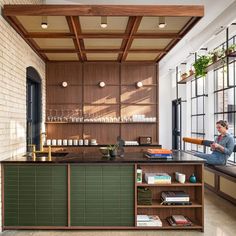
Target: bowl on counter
(104, 151)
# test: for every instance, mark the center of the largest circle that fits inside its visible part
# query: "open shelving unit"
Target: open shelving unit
(195, 211)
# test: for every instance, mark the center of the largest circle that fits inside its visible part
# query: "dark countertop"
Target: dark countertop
(178, 157)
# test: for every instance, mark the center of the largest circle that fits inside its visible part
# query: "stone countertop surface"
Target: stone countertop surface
(135, 157)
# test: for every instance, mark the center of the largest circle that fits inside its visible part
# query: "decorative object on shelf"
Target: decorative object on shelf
(201, 64)
(102, 84)
(105, 151)
(86, 142)
(180, 177)
(113, 150)
(139, 178)
(139, 84)
(193, 179)
(144, 196)
(64, 84)
(191, 72)
(217, 54)
(120, 150)
(184, 76)
(230, 49)
(145, 140)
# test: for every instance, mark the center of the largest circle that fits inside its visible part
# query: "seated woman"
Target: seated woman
(221, 148)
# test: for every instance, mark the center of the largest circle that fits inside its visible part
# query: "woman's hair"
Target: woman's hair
(223, 123)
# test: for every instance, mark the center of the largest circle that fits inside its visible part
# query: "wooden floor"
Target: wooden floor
(220, 220)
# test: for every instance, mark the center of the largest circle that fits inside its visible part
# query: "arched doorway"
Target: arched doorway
(33, 107)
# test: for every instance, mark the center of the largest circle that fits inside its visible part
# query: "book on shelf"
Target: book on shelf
(159, 151)
(179, 220)
(149, 220)
(157, 178)
(158, 156)
(175, 196)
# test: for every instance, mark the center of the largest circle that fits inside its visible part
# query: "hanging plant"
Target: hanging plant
(200, 65)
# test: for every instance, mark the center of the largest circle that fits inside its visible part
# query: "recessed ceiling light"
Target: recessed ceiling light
(44, 23)
(103, 22)
(162, 22)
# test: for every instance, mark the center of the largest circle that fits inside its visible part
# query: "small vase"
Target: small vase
(192, 179)
(113, 153)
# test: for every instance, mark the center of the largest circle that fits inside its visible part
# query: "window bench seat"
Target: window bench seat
(222, 181)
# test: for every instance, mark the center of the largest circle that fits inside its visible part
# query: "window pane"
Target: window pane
(200, 86)
(200, 105)
(194, 106)
(231, 73)
(218, 117)
(219, 79)
(229, 100)
(194, 124)
(200, 126)
(230, 117)
(193, 83)
(219, 101)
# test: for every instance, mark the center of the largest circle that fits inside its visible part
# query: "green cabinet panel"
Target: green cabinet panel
(35, 195)
(102, 195)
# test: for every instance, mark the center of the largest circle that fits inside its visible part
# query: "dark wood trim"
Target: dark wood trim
(68, 195)
(2, 194)
(135, 196)
(73, 30)
(48, 35)
(133, 30)
(104, 10)
(157, 102)
(99, 35)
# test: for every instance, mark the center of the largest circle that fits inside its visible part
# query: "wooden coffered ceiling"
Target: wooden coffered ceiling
(74, 32)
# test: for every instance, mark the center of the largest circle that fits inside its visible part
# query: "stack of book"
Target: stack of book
(175, 198)
(159, 153)
(157, 178)
(149, 220)
(179, 220)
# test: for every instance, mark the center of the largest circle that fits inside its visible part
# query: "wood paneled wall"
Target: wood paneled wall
(119, 97)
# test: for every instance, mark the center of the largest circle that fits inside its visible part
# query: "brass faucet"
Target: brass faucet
(34, 152)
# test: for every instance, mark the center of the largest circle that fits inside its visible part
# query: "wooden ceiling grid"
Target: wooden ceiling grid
(135, 14)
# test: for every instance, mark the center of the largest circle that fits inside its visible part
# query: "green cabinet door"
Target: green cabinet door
(102, 195)
(35, 195)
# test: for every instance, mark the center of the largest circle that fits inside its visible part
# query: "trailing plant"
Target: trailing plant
(230, 49)
(201, 64)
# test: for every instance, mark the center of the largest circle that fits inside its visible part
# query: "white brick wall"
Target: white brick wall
(15, 57)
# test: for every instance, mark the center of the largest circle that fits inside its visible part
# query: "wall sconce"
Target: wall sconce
(44, 23)
(64, 84)
(162, 22)
(102, 84)
(139, 84)
(103, 22)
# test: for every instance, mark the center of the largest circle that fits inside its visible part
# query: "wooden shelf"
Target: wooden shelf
(186, 184)
(77, 123)
(189, 78)
(157, 204)
(166, 225)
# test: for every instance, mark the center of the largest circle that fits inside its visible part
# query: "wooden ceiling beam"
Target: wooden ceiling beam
(103, 10)
(137, 21)
(48, 35)
(98, 35)
(52, 50)
(74, 26)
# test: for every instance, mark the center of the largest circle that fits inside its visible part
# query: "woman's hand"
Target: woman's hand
(214, 146)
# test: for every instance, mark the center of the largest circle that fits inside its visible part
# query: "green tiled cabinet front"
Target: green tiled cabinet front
(102, 195)
(35, 195)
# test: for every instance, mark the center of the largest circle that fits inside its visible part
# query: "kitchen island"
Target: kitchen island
(86, 191)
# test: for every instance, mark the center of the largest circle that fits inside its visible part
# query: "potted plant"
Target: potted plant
(184, 76)
(113, 150)
(216, 54)
(191, 72)
(230, 49)
(201, 64)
